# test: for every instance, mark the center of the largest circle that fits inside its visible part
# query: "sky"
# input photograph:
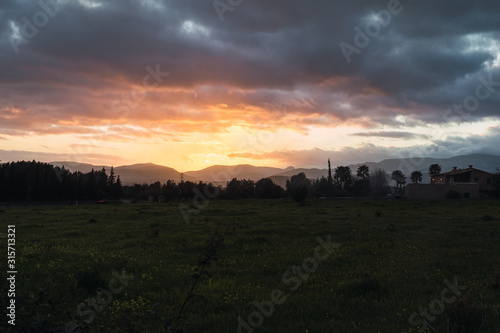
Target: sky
(193, 83)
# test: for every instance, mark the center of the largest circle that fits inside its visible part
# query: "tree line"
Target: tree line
(416, 176)
(36, 181)
(339, 183)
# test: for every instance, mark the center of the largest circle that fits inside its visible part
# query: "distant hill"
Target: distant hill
(310, 173)
(280, 180)
(219, 174)
(131, 174)
(148, 173)
(75, 166)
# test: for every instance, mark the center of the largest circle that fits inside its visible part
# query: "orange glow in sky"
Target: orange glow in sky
(114, 83)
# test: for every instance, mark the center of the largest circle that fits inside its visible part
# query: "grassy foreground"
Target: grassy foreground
(75, 265)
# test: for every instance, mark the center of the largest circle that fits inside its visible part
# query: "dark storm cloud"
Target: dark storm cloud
(268, 53)
(392, 135)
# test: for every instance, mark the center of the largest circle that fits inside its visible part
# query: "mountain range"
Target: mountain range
(219, 174)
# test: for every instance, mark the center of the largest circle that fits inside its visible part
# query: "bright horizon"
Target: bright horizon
(184, 86)
(417, 164)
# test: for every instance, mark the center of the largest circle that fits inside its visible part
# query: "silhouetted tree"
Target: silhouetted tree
(115, 189)
(362, 187)
(237, 189)
(330, 179)
(363, 171)
(298, 187)
(111, 178)
(154, 191)
(35, 181)
(343, 176)
(170, 190)
(90, 185)
(379, 182)
(434, 170)
(248, 187)
(101, 183)
(234, 189)
(323, 188)
(267, 189)
(399, 177)
(186, 189)
(416, 177)
(300, 194)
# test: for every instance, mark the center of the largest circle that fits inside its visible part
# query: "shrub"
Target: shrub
(300, 194)
(267, 189)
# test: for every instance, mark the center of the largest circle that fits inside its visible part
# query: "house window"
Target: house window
(488, 181)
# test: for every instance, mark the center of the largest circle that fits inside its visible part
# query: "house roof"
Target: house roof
(461, 171)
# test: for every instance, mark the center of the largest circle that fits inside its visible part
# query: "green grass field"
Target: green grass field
(393, 259)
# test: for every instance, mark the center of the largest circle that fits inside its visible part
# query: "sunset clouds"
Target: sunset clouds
(87, 80)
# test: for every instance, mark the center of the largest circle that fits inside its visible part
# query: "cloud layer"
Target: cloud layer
(81, 67)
